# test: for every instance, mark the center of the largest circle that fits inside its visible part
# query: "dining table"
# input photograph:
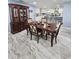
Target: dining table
(48, 27)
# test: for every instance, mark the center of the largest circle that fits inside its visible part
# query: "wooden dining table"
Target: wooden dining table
(48, 27)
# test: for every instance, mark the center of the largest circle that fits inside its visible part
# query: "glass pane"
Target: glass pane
(15, 12)
(24, 12)
(21, 12)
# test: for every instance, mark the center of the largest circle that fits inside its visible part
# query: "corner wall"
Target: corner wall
(67, 14)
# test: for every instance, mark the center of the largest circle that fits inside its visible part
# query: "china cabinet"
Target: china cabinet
(18, 17)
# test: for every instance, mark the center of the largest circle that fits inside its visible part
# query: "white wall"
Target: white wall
(9, 29)
(32, 14)
(67, 14)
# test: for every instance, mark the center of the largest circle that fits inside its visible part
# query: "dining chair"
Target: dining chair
(35, 31)
(29, 20)
(56, 31)
(27, 24)
(43, 20)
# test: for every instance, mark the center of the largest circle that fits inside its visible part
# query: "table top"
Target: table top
(50, 27)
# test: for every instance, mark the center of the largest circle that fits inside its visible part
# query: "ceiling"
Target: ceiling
(46, 3)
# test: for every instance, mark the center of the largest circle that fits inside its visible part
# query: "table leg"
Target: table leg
(31, 36)
(41, 34)
(38, 37)
(46, 36)
(27, 31)
(55, 39)
(52, 37)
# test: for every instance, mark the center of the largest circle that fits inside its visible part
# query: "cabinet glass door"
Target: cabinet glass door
(15, 15)
(24, 12)
(15, 12)
(21, 14)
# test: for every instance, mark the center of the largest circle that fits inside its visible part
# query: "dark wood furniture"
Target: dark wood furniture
(18, 17)
(50, 27)
(55, 33)
(34, 31)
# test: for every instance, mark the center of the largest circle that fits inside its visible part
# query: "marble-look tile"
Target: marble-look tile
(21, 47)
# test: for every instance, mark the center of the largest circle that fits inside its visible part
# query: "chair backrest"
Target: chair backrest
(58, 28)
(43, 20)
(33, 29)
(29, 20)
